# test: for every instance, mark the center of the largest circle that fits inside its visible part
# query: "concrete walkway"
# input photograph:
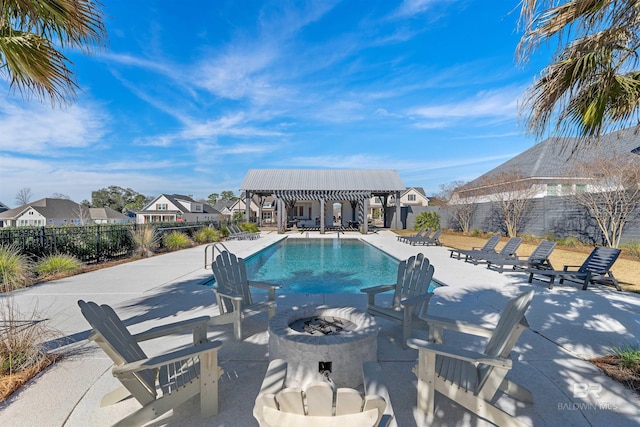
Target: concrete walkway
(568, 326)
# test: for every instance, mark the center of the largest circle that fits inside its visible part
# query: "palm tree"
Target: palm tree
(32, 36)
(592, 85)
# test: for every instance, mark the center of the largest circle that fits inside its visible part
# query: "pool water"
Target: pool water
(325, 266)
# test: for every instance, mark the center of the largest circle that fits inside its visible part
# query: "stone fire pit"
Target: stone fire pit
(335, 341)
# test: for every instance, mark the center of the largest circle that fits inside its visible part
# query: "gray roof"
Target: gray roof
(106, 213)
(48, 208)
(269, 180)
(553, 157)
(175, 199)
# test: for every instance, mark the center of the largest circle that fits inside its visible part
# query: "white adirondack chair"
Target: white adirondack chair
(233, 293)
(469, 378)
(410, 297)
(318, 406)
(180, 374)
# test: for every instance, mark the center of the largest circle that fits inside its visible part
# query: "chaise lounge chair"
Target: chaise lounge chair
(422, 232)
(162, 382)
(426, 240)
(508, 251)
(489, 247)
(318, 405)
(539, 259)
(472, 379)
(595, 269)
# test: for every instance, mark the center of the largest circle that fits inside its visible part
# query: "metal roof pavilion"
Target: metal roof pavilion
(354, 185)
(366, 180)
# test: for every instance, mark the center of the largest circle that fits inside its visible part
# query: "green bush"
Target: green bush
(570, 242)
(224, 232)
(176, 240)
(529, 238)
(15, 268)
(22, 338)
(145, 241)
(632, 248)
(249, 227)
(550, 236)
(629, 355)
(57, 264)
(206, 235)
(427, 219)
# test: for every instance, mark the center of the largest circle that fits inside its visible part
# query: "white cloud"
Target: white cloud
(498, 103)
(35, 128)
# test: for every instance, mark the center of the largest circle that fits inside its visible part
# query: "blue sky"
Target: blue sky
(187, 99)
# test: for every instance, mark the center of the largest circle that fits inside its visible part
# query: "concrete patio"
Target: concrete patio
(568, 326)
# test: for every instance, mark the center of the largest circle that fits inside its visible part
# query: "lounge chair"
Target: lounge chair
(410, 295)
(508, 251)
(539, 259)
(180, 374)
(595, 269)
(489, 247)
(470, 378)
(318, 405)
(427, 240)
(233, 293)
(420, 233)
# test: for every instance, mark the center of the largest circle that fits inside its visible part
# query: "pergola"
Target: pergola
(356, 186)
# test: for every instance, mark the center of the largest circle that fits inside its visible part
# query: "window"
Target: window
(161, 206)
(552, 189)
(197, 208)
(378, 200)
(581, 188)
(411, 197)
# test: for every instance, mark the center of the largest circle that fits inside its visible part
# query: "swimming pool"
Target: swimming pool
(323, 266)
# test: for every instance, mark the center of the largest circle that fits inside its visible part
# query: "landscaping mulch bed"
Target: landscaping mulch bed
(611, 366)
(11, 383)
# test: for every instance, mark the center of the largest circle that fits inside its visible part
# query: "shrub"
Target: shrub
(206, 235)
(529, 238)
(249, 227)
(21, 339)
(476, 233)
(632, 248)
(550, 236)
(15, 268)
(61, 264)
(145, 241)
(224, 232)
(629, 355)
(428, 220)
(570, 242)
(176, 240)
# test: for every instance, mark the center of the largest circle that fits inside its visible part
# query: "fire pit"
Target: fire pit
(324, 342)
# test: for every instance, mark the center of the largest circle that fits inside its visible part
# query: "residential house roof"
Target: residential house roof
(48, 208)
(418, 189)
(176, 200)
(106, 213)
(269, 180)
(553, 157)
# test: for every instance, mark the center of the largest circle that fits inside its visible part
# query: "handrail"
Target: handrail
(213, 251)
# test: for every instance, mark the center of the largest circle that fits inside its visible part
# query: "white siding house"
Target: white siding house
(177, 208)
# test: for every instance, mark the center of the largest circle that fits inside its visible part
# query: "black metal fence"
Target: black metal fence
(91, 244)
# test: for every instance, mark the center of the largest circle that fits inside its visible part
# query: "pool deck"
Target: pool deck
(568, 326)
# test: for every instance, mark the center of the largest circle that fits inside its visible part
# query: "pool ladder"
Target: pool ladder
(213, 247)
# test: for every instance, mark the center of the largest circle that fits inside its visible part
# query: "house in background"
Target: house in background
(411, 196)
(177, 208)
(3, 208)
(108, 216)
(548, 168)
(46, 211)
